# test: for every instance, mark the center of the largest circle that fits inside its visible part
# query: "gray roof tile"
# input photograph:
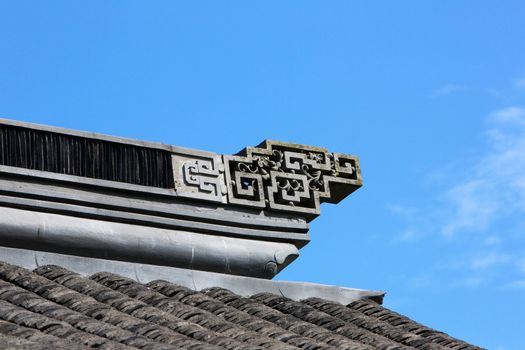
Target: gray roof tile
(53, 308)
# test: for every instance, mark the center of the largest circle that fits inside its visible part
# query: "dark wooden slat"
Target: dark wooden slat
(73, 155)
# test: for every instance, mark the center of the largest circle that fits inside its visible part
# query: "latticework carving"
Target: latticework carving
(274, 175)
(289, 177)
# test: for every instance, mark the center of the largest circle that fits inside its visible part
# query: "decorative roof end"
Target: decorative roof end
(98, 196)
(275, 176)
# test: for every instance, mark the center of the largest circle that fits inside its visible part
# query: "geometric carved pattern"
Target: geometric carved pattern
(288, 177)
(277, 176)
(200, 176)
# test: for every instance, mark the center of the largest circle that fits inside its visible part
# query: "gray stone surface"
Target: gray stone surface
(134, 243)
(25, 189)
(277, 176)
(193, 279)
(99, 196)
(199, 175)
(288, 177)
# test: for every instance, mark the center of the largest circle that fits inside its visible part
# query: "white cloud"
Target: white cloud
(473, 206)
(409, 214)
(518, 284)
(489, 260)
(406, 236)
(511, 114)
(421, 282)
(520, 83)
(495, 186)
(492, 240)
(469, 282)
(449, 89)
(482, 209)
(521, 265)
(493, 92)
(403, 210)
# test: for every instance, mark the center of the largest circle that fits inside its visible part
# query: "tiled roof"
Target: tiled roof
(53, 308)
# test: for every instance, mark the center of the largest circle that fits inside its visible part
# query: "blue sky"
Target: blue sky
(430, 95)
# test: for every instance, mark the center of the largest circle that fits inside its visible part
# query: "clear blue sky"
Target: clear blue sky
(430, 95)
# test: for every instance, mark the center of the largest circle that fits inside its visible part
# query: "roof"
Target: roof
(136, 245)
(54, 308)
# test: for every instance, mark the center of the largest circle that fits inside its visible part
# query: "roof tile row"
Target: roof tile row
(53, 308)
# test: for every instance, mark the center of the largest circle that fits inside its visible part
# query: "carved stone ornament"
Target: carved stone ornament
(289, 177)
(199, 175)
(275, 175)
(245, 214)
